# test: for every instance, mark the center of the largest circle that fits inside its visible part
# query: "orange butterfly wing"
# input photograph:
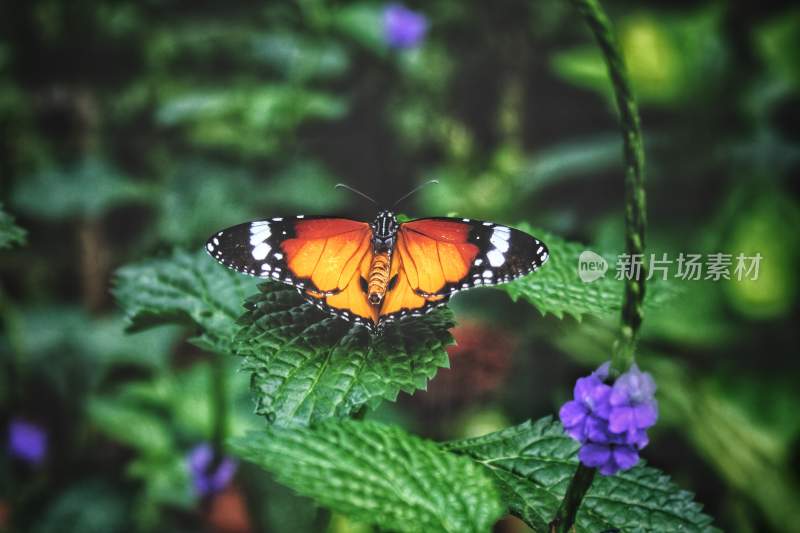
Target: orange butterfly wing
(323, 257)
(430, 255)
(437, 257)
(333, 255)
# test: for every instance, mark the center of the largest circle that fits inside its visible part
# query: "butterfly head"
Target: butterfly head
(384, 230)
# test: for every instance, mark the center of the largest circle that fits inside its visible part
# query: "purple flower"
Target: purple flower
(208, 480)
(610, 422)
(587, 414)
(27, 441)
(633, 404)
(608, 458)
(402, 27)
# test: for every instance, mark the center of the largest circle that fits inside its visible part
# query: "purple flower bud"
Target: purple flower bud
(27, 441)
(207, 481)
(602, 371)
(402, 27)
(636, 386)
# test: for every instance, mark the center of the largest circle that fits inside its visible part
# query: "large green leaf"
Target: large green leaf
(556, 287)
(10, 233)
(378, 474)
(184, 288)
(308, 366)
(534, 462)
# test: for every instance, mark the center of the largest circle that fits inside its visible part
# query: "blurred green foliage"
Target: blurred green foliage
(130, 128)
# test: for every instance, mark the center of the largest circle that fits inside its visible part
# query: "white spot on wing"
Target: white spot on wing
(500, 239)
(260, 237)
(261, 251)
(488, 273)
(496, 258)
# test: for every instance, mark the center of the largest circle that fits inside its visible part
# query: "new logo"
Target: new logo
(591, 266)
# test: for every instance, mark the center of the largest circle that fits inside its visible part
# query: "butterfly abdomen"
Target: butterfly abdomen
(378, 277)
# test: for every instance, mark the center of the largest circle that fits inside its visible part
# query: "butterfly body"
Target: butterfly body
(384, 233)
(379, 272)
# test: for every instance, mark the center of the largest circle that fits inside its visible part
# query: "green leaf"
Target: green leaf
(88, 188)
(132, 424)
(237, 195)
(184, 288)
(251, 120)
(669, 58)
(378, 474)
(575, 159)
(183, 397)
(299, 58)
(533, 463)
(86, 505)
(10, 233)
(362, 23)
(556, 288)
(308, 365)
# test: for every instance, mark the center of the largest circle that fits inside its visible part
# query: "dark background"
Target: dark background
(128, 128)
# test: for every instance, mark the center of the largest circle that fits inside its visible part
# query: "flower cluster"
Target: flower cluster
(206, 478)
(27, 441)
(611, 421)
(402, 27)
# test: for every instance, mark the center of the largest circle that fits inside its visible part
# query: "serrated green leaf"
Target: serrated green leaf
(184, 288)
(10, 233)
(534, 462)
(378, 474)
(308, 366)
(556, 288)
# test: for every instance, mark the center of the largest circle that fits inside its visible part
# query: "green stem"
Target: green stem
(635, 202)
(578, 486)
(219, 388)
(635, 223)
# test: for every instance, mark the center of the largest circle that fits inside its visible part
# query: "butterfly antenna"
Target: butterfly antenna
(414, 190)
(349, 188)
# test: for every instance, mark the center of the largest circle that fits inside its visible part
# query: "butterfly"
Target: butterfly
(379, 272)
